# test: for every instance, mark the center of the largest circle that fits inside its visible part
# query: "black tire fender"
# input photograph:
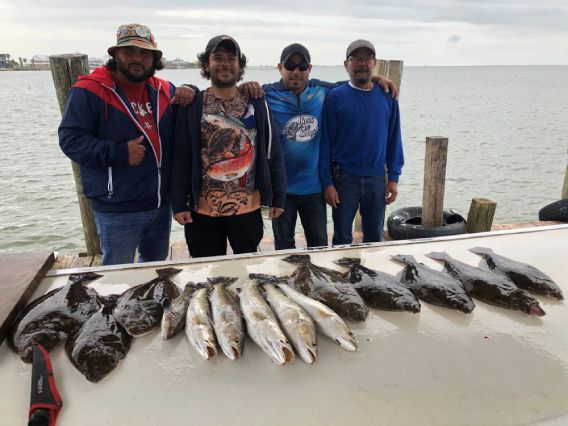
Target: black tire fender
(557, 211)
(405, 224)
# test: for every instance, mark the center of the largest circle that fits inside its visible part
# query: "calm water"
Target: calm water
(507, 126)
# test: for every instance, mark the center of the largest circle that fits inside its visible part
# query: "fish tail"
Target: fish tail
(405, 258)
(298, 258)
(167, 272)
(348, 261)
(438, 255)
(224, 281)
(83, 278)
(265, 278)
(481, 250)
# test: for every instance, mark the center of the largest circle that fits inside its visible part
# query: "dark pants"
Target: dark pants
(207, 236)
(312, 211)
(366, 193)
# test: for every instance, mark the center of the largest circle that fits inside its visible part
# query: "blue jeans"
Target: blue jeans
(366, 193)
(313, 215)
(122, 233)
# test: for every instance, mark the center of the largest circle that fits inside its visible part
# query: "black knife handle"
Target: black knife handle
(40, 417)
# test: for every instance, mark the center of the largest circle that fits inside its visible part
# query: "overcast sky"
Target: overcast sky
(434, 32)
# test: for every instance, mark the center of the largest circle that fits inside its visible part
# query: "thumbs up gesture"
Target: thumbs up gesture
(136, 151)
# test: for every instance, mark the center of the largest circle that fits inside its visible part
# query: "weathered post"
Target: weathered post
(393, 71)
(65, 70)
(480, 216)
(434, 181)
(565, 186)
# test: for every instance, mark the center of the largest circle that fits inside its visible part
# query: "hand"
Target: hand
(136, 151)
(391, 192)
(183, 218)
(275, 212)
(183, 96)
(252, 88)
(331, 196)
(386, 84)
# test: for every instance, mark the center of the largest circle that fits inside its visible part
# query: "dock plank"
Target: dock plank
(20, 274)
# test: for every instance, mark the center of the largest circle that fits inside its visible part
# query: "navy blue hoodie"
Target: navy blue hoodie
(97, 122)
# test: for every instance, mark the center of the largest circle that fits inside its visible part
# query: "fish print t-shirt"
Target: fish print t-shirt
(228, 154)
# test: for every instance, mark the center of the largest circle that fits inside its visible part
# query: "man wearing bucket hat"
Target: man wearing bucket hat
(361, 143)
(228, 161)
(118, 125)
(296, 102)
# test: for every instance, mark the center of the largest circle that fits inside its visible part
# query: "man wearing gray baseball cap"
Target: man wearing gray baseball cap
(361, 145)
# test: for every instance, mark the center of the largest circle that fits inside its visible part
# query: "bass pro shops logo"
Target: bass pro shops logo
(301, 128)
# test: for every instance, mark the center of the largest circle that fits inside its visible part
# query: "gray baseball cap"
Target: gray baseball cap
(357, 44)
(295, 48)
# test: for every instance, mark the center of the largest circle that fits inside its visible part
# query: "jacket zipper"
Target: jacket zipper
(135, 121)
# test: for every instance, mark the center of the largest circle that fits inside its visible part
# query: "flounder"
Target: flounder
(379, 290)
(434, 287)
(490, 288)
(523, 275)
(328, 286)
(139, 309)
(53, 317)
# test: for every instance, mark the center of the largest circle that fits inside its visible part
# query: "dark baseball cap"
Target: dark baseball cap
(295, 48)
(214, 43)
(358, 44)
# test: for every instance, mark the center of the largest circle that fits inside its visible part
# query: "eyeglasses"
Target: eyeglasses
(361, 58)
(291, 66)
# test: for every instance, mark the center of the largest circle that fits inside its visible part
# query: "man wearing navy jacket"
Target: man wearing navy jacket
(118, 125)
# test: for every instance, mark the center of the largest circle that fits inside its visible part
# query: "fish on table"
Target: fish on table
(328, 286)
(173, 319)
(523, 275)
(295, 321)
(198, 326)
(378, 289)
(327, 321)
(434, 287)
(262, 325)
(139, 309)
(488, 287)
(100, 343)
(53, 317)
(227, 317)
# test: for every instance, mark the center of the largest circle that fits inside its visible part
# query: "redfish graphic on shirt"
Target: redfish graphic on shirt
(230, 150)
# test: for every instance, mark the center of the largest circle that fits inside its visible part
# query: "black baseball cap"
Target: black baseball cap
(214, 43)
(295, 48)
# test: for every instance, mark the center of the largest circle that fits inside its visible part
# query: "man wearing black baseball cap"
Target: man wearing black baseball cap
(361, 145)
(228, 159)
(297, 103)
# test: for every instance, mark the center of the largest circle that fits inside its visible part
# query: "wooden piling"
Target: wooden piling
(565, 186)
(480, 216)
(434, 181)
(65, 70)
(393, 71)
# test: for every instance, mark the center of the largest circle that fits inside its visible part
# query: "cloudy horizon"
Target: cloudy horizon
(448, 32)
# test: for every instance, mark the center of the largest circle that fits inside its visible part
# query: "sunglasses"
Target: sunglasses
(302, 66)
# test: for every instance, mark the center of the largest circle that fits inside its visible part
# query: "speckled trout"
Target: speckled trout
(173, 319)
(262, 325)
(198, 327)
(227, 317)
(328, 322)
(295, 321)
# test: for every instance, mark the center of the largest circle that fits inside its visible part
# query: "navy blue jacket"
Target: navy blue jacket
(187, 173)
(97, 122)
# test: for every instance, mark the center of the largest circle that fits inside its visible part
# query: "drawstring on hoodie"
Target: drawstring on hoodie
(269, 131)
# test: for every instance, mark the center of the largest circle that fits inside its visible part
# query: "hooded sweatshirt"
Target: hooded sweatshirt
(97, 123)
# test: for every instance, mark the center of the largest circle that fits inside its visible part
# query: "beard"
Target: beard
(223, 84)
(362, 76)
(134, 78)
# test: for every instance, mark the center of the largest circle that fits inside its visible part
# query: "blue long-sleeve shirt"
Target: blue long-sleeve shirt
(361, 133)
